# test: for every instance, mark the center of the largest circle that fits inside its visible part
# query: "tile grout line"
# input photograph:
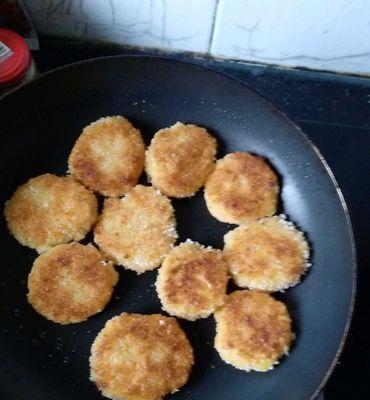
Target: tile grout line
(210, 41)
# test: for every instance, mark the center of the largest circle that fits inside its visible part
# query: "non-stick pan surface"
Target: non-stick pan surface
(39, 124)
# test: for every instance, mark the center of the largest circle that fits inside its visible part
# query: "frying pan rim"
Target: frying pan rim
(288, 120)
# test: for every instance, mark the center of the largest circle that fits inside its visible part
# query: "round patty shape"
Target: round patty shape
(140, 357)
(49, 210)
(180, 158)
(108, 157)
(253, 330)
(70, 282)
(269, 254)
(138, 230)
(192, 281)
(241, 188)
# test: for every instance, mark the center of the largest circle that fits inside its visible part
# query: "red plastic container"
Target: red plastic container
(15, 58)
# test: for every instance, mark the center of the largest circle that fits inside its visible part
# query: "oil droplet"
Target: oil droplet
(43, 335)
(16, 312)
(35, 343)
(66, 360)
(74, 350)
(20, 326)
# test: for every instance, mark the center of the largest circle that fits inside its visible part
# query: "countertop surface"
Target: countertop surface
(334, 111)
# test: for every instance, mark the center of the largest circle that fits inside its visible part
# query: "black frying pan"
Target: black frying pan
(39, 124)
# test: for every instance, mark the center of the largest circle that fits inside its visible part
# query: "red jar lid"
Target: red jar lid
(17, 63)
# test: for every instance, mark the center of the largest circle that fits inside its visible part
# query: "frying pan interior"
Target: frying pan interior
(39, 124)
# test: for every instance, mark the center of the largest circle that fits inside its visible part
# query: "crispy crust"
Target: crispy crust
(108, 157)
(70, 282)
(140, 357)
(180, 158)
(253, 330)
(241, 188)
(269, 254)
(49, 210)
(138, 230)
(192, 281)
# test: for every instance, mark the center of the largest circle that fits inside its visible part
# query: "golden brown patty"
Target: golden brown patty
(269, 254)
(108, 157)
(253, 330)
(180, 158)
(49, 210)
(192, 281)
(241, 188)
(140, 357)
(138, 230)
(70, 282)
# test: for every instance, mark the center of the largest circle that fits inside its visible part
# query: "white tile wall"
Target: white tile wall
(322, 34)
(171, 24)
(319, 34)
